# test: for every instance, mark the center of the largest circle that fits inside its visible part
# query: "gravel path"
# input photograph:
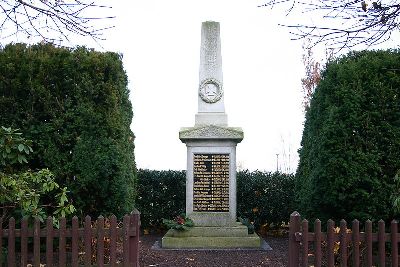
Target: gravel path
(149, 257)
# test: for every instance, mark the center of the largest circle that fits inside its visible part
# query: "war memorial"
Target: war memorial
(211, 162)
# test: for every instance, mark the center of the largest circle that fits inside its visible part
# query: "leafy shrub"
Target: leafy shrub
(264, 197)
(351, 140)
(23, 192)
(74, 103)
(161, 194)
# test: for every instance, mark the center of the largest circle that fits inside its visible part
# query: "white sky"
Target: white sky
(160, 41)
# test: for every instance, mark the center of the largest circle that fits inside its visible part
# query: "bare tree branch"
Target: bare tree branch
(51, 20)
(345, 23)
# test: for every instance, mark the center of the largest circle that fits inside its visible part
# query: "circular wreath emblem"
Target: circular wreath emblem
(210, 90)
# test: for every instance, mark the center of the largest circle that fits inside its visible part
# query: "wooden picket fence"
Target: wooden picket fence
(344, 247)
(75, 246)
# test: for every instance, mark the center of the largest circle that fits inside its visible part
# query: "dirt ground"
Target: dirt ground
(149, 256)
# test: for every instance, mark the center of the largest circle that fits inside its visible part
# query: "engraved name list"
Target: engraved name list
(211, 183)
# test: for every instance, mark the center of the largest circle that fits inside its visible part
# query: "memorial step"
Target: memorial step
(211, 231)
(212, 242)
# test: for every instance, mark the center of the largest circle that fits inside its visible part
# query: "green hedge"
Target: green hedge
(262, 197)
(74, 103)
(161, 195)
(351, 140)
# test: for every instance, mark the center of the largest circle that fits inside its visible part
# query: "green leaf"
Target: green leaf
(71, 208)
(21, 147)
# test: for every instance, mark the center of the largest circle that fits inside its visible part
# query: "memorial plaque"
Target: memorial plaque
(211, 182)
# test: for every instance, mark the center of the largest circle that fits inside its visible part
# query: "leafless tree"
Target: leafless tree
(345, 23)
(51, 20)
(312, 71)
(312, 75)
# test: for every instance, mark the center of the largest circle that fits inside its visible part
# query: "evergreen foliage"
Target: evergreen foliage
(161, 195)
(74, 103)
(264, 197)
(351, 140)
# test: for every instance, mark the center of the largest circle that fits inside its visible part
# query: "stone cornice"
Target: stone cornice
(211, 132)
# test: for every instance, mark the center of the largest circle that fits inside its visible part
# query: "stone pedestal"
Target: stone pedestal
(211, 174)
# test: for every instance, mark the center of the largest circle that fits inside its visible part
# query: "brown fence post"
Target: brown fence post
(1, 243)
(11, 242)
(368, 242)
(49, 241)
(75, 242)
(134, 240)
(62, 251)
(24, 242)
(100, 241)
(394, 240)
(304, 235)
(113, 240)
(343, 243)
(36, 242)
(294, 246)
(125, 240)
(317, 243)
(330, 240)
(381, 242)
(356, 242)
(88, 241)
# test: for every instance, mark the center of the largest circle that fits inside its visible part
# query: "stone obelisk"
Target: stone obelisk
(211, 161)
(211, 109)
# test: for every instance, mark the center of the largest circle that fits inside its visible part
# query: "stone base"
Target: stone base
(214, 219)
(211, 237)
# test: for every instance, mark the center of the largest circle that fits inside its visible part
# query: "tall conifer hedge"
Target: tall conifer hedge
(351, 140)
(74, 105)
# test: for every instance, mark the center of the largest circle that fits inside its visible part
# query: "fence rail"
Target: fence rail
(75, 245)
(344, 247)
